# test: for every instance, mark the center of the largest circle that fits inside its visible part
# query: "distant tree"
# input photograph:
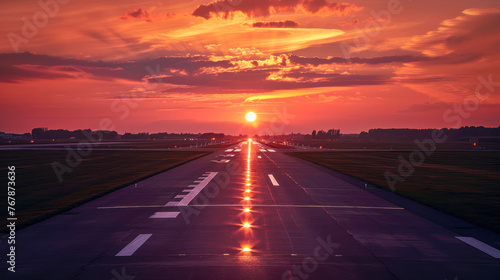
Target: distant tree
(321, 134)
(329, 134)
(313, 134)
(37, 133)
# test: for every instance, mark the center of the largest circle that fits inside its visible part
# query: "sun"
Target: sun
(250, 116)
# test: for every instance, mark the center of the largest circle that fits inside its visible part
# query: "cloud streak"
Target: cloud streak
(276, 24)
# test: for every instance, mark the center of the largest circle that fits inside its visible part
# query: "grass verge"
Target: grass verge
(463, 183)
(39, 194)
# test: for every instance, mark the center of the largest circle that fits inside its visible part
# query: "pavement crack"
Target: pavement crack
(83, 267)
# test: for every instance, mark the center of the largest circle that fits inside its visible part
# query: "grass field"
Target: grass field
(357, 144)
(465, 184)
(39, 193)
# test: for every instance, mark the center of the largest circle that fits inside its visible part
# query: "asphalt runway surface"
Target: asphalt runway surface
(251, 212)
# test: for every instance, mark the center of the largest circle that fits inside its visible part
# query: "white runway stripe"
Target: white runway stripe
(165, 215)
(194, 192)
(134, 245)
(273, 180)
(272, 151)
(172, 203)
(180, 196)
(483, 247)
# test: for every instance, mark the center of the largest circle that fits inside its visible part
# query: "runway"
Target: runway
(253, 212)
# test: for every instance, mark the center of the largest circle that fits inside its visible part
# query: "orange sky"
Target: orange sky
(200, 66)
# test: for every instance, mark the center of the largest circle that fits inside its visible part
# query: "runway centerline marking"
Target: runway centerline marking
(483, 247)
(273, 180)
(133, 245)
(165, 215)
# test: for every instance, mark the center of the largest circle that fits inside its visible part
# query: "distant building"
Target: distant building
(13, 136)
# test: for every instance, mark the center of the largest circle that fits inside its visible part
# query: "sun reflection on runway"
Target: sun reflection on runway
(247, 219)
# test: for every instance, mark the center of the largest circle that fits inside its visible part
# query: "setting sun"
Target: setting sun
(250, 116)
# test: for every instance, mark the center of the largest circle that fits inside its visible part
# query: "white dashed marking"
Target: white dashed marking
(134, 245)
(171, 203)
(483, 247)
(221, 161)
(273, 180)
(165, 215)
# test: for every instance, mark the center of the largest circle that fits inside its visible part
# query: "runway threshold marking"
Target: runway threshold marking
(165, 215)
(483, 247)
(133, 245)
(220, 161)
(194, 192)
(273, 180)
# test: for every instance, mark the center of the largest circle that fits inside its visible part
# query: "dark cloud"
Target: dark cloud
(137, 13)
(314, 6)
(243, 80)
(134, 70)
(276, 24)
(13, 74)
(196, 74)
(315, 61)
(264, 8)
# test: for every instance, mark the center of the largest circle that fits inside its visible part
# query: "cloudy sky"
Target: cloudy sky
(200, 66)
